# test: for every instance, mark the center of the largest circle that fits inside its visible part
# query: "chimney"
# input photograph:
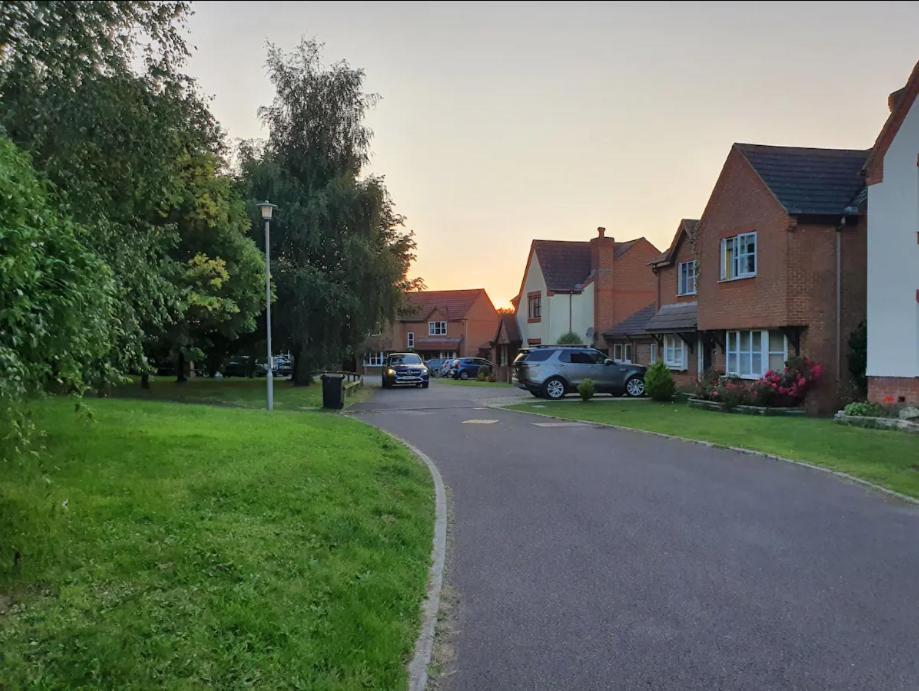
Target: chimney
(602, 249)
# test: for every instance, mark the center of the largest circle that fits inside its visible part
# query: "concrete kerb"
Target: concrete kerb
(424, 643)
(750, 452)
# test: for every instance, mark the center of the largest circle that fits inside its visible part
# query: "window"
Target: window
(437, 328)
(582, 357)
(653, 356)
(540, 355)
(674, 352)
(374, 359)
(687, 278)
(534, 307)
(622, 352)
(738, 257)
(411, 339)
(750, 354)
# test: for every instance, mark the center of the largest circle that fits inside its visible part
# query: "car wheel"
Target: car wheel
(464, 375)
(554, 389)
(635, 387)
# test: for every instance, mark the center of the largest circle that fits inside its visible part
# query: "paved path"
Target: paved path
(593, 558)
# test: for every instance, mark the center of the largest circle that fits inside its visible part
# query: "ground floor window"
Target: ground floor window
(674, 352)
(750, 354)
(374, 359)
(653, 357)
(622, 352)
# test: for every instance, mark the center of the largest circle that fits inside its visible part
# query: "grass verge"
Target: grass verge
(188, 546)
(886, 458)
(232, 391)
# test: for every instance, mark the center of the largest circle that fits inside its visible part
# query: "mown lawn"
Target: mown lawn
(888, 458)
(185, 546)
(231, 391)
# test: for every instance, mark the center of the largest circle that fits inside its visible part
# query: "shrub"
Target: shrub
(732, 392)
(659, 383)
(864, 409)
(791, 386)
(707, 388)
(858, 356)
(570, 338)
(482, 374)
(586, 389)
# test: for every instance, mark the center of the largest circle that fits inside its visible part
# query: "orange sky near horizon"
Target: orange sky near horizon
(500, 123)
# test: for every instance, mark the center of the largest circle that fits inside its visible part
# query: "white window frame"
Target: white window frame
(438, 328)
(732, 346)
(622, 352)
(653, 356)
(674, 352)
(410, 338)
(735, 272)
(374, 359)
(534, 300)
(685, 286)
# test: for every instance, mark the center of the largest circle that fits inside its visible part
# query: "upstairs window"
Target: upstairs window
(738, 257)
(687, 279)
(437, 328)
(534, 307)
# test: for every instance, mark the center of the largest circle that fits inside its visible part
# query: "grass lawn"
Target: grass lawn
(185, 546)
(233, 391)
(888, 458)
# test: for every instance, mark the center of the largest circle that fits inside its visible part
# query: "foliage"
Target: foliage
(340, 256)
(866, 409)
(787, 389)
(218, 549)
(586, 390)
(570, 338)
(858, 356)
(484, 373)
(882, 457)
(659, 384)
(57, 300)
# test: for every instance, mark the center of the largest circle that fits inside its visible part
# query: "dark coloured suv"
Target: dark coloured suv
(553, 371)
(404, 369)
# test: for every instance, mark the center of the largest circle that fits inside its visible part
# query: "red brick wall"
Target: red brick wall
(481, 325)
(892, 389)
(668, 276)
(601, 264)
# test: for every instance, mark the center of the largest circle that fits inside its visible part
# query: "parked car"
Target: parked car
(553, 371)
(404, 369)
(468, 367)
(447, 367)
(240, 366)
(434, 365)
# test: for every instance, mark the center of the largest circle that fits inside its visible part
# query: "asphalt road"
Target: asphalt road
(593, 558)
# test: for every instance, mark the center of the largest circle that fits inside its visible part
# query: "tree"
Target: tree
(57, 300)
(570, 338)
(340, 255)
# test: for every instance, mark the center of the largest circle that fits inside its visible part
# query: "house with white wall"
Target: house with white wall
(582, 287)
(892, 175)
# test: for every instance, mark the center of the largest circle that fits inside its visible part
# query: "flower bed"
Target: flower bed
(775, 391)
(745, 409)
(877, 422)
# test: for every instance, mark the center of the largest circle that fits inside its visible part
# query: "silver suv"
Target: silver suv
(553, 371)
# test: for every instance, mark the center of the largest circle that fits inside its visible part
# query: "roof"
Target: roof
(680, 316)
(819, 182)
(452, 304)
(509, 323)
(633, 325)
(623, 247)
(439, 343)
(688, 227)
(899, 102)
(565, 264)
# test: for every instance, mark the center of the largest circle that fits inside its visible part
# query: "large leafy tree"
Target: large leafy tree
(340, 254)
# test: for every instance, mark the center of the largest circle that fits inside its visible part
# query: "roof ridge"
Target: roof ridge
(787, 147)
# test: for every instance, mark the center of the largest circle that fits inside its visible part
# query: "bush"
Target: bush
(586, 390)
(858, 356)
(659, 383)
(864, 409)
(791, 386)
(732, 392)
(570, 338)
(484, 374)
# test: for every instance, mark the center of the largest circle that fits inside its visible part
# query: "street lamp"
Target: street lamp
(267, 208)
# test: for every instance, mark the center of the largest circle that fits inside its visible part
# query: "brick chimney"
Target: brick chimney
(602, 249)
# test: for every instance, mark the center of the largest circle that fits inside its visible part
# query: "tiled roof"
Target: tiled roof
(565, 264)
(809, 181)
(453, 304)
(633, 325)
(622, 248)
(689, 226)
(680, 316)
(511, 328)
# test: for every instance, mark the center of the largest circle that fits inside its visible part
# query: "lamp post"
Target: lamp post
(267, 208)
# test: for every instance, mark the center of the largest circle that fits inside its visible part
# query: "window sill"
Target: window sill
(739, 278)
(686, 295)
(534, 321)
(748, 377)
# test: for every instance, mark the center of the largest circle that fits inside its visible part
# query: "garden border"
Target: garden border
(704, 404)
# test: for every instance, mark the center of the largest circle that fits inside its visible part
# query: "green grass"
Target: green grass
(232, 391)
(887, 458)
(185, 546)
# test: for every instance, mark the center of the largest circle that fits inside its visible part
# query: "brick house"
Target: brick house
(582, 287)
(437, 324)
(782, 258)
(674, 322)
(892, 174)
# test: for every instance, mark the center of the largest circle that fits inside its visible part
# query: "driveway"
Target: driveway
(593, 558)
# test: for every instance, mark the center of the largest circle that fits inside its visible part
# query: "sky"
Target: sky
(501, 123)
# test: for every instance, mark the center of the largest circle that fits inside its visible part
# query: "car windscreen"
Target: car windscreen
(540, 355)
(408, 359)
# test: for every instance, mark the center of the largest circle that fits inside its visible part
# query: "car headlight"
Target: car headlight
(390, 372)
